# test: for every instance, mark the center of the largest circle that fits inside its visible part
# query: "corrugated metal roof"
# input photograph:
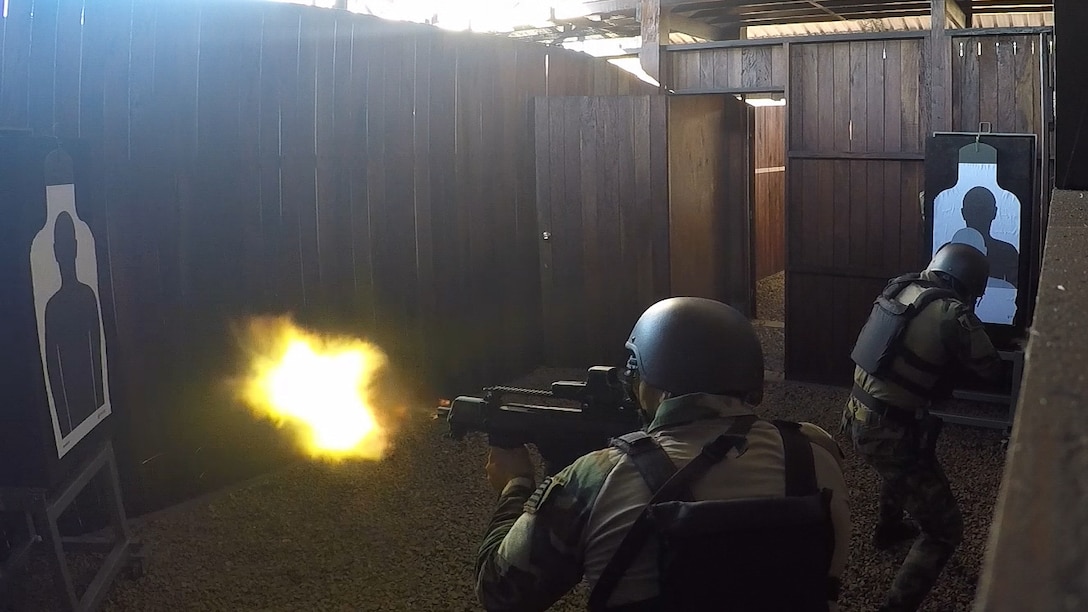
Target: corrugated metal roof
(898, 24)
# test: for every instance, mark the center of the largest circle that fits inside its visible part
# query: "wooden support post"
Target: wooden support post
(940, 69)
(655, 33)
(1071, 94)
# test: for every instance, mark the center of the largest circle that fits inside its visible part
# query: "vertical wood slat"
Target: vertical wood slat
(67, 66)
(571, 262)
(362, 267)
(490, 210)
(704, 72)
(329, 173)
(592, 123)
(422, 213)
(808, 89)
(145, 99)
(1005, 117)
(825, 78)
(335, 157)
(910, 90)
(392, 200)
(859, 86)
(542, 137)
(893, 101)
(1026, 83)
(531, 82)
(723, 70)
(988, 83)
(14, 97)
(874, 141)
(446, 252)
(3, 70)
(841, 223)
(300, 146)
(643, 197)
(622, 239)
(840, 85)
(779, 65)
(115, 104)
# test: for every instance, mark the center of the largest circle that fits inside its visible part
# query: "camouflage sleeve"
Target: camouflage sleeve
(966, 339)
(532, 553)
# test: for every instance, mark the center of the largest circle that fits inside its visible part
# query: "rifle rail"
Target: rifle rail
(520, 391)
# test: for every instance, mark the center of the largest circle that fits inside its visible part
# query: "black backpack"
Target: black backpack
(748, 555)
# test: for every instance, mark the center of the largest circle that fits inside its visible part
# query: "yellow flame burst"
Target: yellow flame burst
(317, 385)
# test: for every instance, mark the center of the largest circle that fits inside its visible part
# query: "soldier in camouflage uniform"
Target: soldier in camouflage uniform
(696, 366)
(887, 413)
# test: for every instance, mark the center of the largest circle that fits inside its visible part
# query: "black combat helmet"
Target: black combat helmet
(966, 265)
(695, 345)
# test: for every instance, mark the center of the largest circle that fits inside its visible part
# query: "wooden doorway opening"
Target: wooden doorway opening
(769, 224)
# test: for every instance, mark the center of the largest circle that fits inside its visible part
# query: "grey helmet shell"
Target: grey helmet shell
(964, 263)
(688, 345)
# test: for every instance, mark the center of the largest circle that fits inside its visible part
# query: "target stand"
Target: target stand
(43, 508)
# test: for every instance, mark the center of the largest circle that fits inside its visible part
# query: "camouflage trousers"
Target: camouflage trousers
(911, 480)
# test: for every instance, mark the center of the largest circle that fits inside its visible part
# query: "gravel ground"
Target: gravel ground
(770, 314)
(401, 534)
(773, 340)
(771, 297)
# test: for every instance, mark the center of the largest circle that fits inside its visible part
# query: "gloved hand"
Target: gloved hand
(504, 465)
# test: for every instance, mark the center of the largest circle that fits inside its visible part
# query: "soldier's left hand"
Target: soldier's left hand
(506, 464)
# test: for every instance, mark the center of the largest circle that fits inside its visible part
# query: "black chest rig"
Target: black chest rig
(879, 342)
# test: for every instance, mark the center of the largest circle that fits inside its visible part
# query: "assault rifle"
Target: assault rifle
(561, 434)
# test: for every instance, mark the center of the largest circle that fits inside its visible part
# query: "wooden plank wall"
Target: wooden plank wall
(602, 183)
(769, 223)
(761, 67)
(856, 146)
(371, 178)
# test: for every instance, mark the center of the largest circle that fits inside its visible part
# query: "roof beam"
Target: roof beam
(966, 11)
(954, 14)
(605, 7)
(826, 10)
(694, 27)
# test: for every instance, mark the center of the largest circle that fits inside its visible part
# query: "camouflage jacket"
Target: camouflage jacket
(542, 542)
(943, 338)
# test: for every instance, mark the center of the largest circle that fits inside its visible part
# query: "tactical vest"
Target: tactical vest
(880, 343)
(768, 554)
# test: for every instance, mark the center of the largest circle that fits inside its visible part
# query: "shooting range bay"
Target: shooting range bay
(402, 533)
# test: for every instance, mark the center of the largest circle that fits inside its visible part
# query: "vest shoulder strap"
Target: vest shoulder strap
(800, 465)
(651, 461)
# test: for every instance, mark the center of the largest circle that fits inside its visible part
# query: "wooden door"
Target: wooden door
(710, 199)
(603, 219)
